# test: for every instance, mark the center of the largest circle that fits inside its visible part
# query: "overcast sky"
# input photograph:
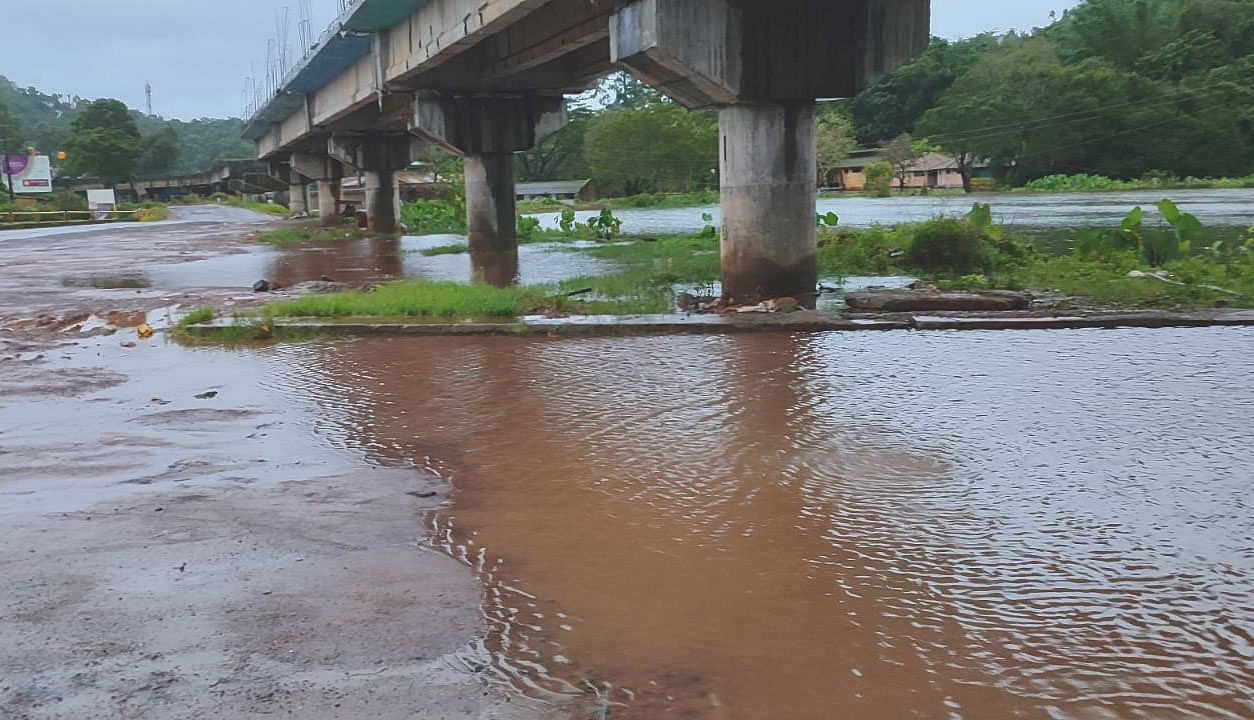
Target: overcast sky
(197, 54)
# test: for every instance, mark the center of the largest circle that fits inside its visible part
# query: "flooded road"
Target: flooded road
(1224, 208)
(973, 525)
(970, 525)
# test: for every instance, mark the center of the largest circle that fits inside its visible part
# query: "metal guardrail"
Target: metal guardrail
(68, 216)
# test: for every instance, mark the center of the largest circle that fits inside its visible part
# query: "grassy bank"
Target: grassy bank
(1154, 181)
(265, 208)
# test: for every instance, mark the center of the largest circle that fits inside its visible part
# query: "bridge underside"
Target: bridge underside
(485, 78)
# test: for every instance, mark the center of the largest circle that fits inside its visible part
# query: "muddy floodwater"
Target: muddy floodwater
(842, 526)
(947, 525)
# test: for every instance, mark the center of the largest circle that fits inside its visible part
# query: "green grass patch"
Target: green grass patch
(420, 298)
(198, 316)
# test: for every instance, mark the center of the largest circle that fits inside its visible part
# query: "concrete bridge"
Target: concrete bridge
(485, 78)
(225, 176)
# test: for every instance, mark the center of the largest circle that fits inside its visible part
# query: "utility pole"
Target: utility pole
(148, 94)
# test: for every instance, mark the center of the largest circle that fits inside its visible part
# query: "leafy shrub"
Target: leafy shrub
(605, 226)
(950, 245)
(430, 217)
(567, 223)
(1157, 246)
(67, 200)
(528, 228)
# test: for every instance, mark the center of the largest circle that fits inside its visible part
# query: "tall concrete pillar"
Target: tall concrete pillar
(488, 130)
(329, 203)
(490, 215)
(758, 60)
(383, 201)
(297, 202)
(767, 157)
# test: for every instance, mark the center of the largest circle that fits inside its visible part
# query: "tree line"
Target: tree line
(103, 138)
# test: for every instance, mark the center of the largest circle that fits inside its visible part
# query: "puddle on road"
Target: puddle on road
(975, 525)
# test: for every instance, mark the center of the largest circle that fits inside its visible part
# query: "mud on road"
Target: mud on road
(180, 541)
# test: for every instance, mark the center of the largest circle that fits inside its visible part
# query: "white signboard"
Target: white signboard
(100, 202)
(30, 174)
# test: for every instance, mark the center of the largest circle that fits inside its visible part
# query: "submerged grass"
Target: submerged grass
(310, 233)
(453, 249)
(420, 298)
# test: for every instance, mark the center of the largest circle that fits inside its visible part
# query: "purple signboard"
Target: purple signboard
(16, 164)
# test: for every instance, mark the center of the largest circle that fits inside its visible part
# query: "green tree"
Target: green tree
(161, 153)
(10, 140)
(560, 156)
(893, 105)
(900, 154)
(835, 139)
(105, 142)
(879, 179)
(655, 148)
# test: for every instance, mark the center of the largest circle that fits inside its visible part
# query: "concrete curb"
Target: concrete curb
(801, 322)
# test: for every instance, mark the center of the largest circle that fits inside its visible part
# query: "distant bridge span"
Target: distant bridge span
(485, 78)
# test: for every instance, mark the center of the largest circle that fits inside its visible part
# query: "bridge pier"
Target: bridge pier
(488, 130)
(491, 217)
(326, 172)
(297, 201)
(329, 203)
(768, 195)
(383, 201)
(378, 157)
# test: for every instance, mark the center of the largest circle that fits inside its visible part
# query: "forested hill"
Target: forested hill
(45, 121)
(1116, 87)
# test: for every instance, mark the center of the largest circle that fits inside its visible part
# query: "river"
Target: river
(964, 525)
(1221, 208)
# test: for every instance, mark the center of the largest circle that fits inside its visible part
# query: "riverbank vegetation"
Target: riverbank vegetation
(1083, 182)
(1168, 262)
(697, 198)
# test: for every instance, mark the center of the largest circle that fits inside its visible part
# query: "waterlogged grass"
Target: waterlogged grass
(196, 317)
(1192, 282)
(454, 249)
(312, 234)
(420, 298)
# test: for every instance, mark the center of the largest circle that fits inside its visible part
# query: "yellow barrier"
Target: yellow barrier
(66, 216)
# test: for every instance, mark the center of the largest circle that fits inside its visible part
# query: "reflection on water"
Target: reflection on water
(975, 525)
(373, 260)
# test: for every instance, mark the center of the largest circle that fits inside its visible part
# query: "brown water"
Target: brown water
(897, 525)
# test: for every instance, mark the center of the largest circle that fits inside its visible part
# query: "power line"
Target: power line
(1047, 120)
